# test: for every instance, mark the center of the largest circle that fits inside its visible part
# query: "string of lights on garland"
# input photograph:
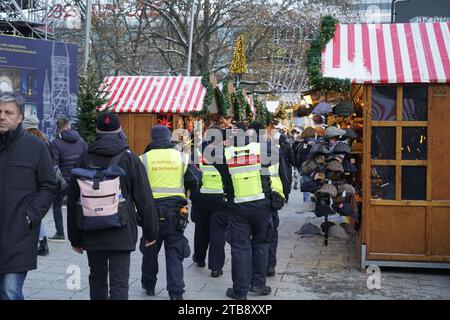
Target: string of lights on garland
(260, 111)
(226, 98)
(314, 60)
(238, 111)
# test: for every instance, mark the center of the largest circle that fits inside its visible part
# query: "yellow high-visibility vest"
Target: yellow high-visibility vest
(211, 179)
(165, 170)
(275, 179)
(244, 165)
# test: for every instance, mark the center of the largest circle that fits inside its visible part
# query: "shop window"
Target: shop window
(414, 183)
(383, 182)
(384, 102)
(415, 103)
(383, 143)
(414, 143)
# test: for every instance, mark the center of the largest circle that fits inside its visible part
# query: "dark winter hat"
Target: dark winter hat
(308, 167)
(309, 186)
(344, 109)
(308, 230)
(344, 209)
(333, 131)
(349, 166)
(108, 123)
(320, 149)
(349, 134)
(160, 132)
(342, 148)
(335, 166)
(255, 125)
(323, 210)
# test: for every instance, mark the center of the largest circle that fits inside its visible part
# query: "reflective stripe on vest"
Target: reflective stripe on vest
(275, 179)
(245, 170)
(211, 179)
(165, 170)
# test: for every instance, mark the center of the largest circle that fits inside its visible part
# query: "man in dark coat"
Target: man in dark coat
(109, 250)
(66, 150)
(27, 183)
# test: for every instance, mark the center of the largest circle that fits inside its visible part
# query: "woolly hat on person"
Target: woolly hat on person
(160, 132)
(31, 122)
(108, 123)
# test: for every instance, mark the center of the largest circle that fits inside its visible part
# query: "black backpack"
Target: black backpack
(301, 153)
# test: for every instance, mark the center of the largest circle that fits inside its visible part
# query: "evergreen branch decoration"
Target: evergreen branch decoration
(91, 95)
(226, 98)
(208, 96)
(314, 60)
(261, 111)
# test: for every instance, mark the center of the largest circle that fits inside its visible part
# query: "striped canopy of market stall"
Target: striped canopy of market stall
(389, 53)
(149, 94)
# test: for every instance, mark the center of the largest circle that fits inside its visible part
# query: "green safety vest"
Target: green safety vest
(211, 179)
(275, 179)
(244, 165)
(165, 170)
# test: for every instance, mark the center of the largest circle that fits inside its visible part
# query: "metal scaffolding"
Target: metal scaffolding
(25, 18)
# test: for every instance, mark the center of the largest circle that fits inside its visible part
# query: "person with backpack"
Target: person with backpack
(66, 149)
(169, 173)
(108, 197)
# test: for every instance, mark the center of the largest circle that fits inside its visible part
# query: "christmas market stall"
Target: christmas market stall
(144, 101)
(397, 78)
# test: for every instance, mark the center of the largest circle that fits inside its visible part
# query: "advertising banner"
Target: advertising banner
(44, 73)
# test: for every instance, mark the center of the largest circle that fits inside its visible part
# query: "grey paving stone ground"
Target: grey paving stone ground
(306, 270)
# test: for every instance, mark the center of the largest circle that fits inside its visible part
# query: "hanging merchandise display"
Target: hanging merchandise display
(331, 171)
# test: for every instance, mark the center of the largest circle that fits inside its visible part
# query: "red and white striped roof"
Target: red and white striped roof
(389, 53)
(154, 94)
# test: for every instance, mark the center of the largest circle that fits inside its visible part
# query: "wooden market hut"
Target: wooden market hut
(144, 101)
(402, 74)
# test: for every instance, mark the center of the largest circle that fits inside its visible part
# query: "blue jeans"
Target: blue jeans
(11, 285)
(57, 212)
(306, 194)
(42, 232)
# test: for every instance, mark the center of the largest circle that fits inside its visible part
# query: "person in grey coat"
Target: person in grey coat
(27, 184)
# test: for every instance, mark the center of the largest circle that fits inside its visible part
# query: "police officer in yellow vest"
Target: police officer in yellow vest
(209, 211)
(248, 193)
(169, 173)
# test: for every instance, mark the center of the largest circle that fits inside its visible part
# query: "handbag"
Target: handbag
(60, 181)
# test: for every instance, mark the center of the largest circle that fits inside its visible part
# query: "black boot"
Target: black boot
(43, 247)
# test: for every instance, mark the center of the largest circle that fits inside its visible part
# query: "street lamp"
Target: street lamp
(87, 34)
(191, 34)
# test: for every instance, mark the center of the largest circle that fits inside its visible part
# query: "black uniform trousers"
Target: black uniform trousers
(117, 264)
(176, 247)
(249, 235)
(274, 241)
(210, 229)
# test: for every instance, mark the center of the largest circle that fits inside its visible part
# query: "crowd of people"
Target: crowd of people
(236, 189)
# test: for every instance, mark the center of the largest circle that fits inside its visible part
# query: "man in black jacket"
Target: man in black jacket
(169, 173)
(27, 183)
(109, 250)
(66, 150)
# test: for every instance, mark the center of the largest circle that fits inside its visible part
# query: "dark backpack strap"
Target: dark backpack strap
(115, 159)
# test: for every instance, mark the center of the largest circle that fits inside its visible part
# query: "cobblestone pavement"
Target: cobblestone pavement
(306, 270)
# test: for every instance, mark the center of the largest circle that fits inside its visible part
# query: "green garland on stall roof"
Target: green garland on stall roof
(268, 117)
(245, 106)
(314, 60)
(260, 111)
(219, 100)
(208, 96)
(226, 98)
(238, 109)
